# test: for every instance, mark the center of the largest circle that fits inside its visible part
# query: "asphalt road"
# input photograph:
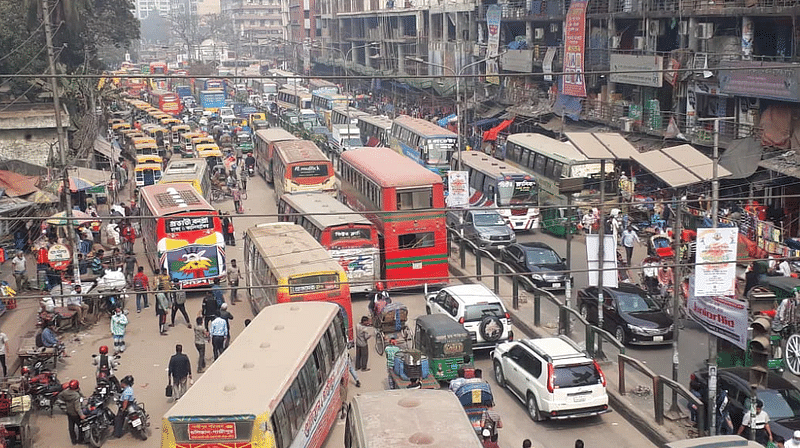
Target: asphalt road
(148, 354)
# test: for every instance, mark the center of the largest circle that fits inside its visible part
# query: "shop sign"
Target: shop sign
(637, 70)
(517, 61)
(760, 80)
(58, 256)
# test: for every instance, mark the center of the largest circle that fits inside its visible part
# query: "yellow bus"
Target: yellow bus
(284, 263)
(145, 147)
(211, 154)
(186, 142)
(149, 158)
(280, 384)
(203, 140)
(300, 166)
(192, 171)
(147, 174)
(389, 419)
(175, 133)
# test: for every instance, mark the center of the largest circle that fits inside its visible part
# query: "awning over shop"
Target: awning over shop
(600, 145)
(97, 177)
(785, 162)
(486, 122)
(742, 157)
(677, 166)
(104, 147)
(16, 185)
(443, 122)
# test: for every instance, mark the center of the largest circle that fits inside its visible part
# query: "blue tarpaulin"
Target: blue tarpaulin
(444, 121)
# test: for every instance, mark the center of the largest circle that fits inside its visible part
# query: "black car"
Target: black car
(548, 270)
(781, 398)
(629, 313)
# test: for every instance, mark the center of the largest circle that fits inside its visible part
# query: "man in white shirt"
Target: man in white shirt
(784, 268)
(3, 351)
(794, 442)
(75, 303)
(219, 332)
(760, 424)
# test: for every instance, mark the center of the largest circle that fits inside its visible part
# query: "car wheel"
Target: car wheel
(619, 334)
(585, 313)
(491, 329)
(498, 374)
(533, 408)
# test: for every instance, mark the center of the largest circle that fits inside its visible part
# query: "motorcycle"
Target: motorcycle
(137, 421)
(251, 170)
(43, 387)
(99, 418)
(105, 376)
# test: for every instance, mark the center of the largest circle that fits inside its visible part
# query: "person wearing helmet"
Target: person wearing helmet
(105, 365)
(380, 295)
(125, 399)
(72, 398)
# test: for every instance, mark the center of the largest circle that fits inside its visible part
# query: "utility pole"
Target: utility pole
(676, 295)
(62, 143)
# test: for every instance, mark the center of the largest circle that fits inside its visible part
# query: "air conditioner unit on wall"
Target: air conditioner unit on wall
(538, 33)
(638, 42)
(705, 30)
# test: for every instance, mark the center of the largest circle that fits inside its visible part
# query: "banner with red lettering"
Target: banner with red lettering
(573, 82)
(725, 317)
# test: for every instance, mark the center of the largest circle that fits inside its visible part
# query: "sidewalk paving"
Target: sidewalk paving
(636, 406)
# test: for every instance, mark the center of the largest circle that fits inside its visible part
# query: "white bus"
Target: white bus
(375, 129)
(393, 418)
(280, 384)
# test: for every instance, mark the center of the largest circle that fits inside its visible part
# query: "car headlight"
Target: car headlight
(513, 236)
(637, 329)
(671, 328)
(537, 277)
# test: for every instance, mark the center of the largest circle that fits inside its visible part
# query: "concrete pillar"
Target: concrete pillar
(694, 43)
(747, 38)
(612, 31)
(529, 33)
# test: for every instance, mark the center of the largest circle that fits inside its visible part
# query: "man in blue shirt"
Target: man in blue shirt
(124, 400)
(219, 332)
(49, 338)
(218, 294)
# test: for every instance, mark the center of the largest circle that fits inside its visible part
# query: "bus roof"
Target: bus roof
(267, 353)
(351, 112)
(553, 148)
(388, 168)
(295, 151)
(323, 210)
(272, 135)
(423, 127)
(389, 418)
(488, 164)
(170, 199)
(297, 254)
(181, 167)
(381, 121)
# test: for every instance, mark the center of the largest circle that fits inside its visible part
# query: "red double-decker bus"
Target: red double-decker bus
(182, 232)
(166, 101)
(405, 201)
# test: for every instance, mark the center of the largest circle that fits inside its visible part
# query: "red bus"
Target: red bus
(166, 101)
(409, 200)
(265, 138)
(349, 237)
(158, 68)
(284, 263)
(299, 166)
(182, 232)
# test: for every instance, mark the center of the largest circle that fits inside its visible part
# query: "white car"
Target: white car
(552, 376)
(478, 309)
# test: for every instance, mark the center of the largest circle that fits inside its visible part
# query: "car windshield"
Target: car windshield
(477, 312)
(634, 303)
(489, 219)
(779, 403)
(542, 256)
(576, 376)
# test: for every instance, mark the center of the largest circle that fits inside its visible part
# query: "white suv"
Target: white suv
(475, 307)
(552, 376)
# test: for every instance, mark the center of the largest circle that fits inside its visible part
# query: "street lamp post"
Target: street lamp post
(458, 92)
(350, 50)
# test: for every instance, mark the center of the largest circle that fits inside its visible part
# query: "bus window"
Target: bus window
(416, 240)
(538, 167)
(414, 200)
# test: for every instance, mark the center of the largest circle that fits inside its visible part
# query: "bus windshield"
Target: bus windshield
(516, 192)
(438, 149)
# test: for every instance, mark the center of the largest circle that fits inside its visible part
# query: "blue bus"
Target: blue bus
(323, 102)
(212, 99)
(426, 143)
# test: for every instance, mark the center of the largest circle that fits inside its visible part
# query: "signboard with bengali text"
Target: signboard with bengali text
(457, 189)
(573, 82)
(721, 316)
(716, 261)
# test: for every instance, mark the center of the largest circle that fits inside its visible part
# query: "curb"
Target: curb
(636, 417)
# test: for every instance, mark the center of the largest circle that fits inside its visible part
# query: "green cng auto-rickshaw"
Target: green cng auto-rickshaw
(445, 342)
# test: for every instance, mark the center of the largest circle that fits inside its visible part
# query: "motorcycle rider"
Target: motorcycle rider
(124, 401)
(72, 397)
(250, 163)
(105, 366)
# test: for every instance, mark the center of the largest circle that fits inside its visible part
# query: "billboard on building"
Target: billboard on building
(493, 15)
(637, 69)
(573, 81)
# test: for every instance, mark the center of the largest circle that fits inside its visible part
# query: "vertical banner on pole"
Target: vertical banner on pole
(493, 16)
(573, 82)
(716, 261)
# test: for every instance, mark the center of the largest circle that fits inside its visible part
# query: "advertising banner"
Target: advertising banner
(636, 69)
(721, 316)
(493, 15)
(193, 262)
(573, 82)
(610, 278)
(716, 261)
(457, 189)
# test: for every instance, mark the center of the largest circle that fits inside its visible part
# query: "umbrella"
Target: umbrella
(76, 184)
(78, 218)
